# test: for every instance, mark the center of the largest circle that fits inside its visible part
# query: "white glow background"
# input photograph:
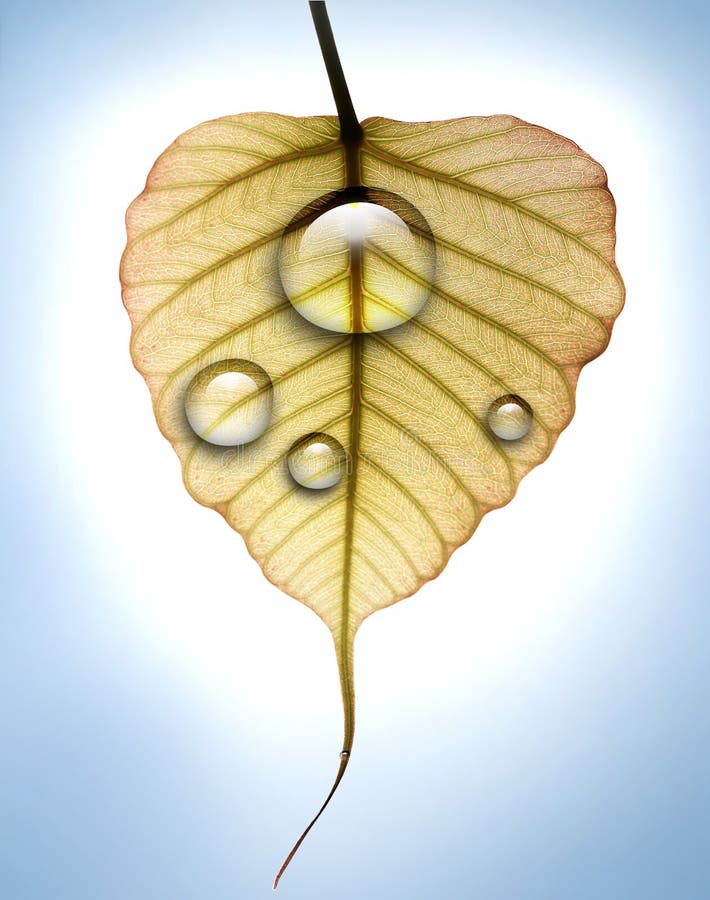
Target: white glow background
(534, 723)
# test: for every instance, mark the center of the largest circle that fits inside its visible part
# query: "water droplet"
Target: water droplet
(510, 417)
(357, 267)
(229, 403)
(317, 461)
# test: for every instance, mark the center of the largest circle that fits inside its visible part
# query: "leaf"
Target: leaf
(524, 293)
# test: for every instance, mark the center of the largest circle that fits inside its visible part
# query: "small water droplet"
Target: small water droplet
(510, 417)
(229, 403)
(357, 267)
(345, 754)
(317, 461)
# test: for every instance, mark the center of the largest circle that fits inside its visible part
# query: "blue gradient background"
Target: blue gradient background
(535, 723)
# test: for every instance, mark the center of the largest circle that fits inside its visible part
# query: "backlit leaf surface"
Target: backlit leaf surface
(524, 293)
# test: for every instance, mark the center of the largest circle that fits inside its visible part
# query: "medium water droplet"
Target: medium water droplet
(357, 267)
(510, 417)
(229, 403)
(317, 461)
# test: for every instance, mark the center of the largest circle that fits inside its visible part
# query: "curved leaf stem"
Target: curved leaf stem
(345, 666)
(351, 132)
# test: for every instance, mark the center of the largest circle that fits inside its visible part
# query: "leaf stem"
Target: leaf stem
(351, 135)
(345, 665)
(351, 132)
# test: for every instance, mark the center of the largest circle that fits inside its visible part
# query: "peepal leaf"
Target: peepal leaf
(523, 292)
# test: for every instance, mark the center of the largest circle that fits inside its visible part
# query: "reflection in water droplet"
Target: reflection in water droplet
(229, 403)
(510, 417)
(357, 267)
(317, 461)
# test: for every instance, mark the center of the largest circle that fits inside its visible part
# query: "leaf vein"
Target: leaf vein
(417, 505)
(456, 400)
(397, 162)
(230, 182)
(428, 448)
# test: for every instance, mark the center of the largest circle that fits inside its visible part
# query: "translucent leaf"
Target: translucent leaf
(438, 417)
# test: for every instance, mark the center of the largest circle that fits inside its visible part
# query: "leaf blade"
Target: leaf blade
(525, 294)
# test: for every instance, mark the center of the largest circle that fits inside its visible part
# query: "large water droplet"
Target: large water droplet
(357, 267)
(317, 461)
(510, 417)
(229, 403)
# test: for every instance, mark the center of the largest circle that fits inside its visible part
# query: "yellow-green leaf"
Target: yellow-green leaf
(521, 292)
